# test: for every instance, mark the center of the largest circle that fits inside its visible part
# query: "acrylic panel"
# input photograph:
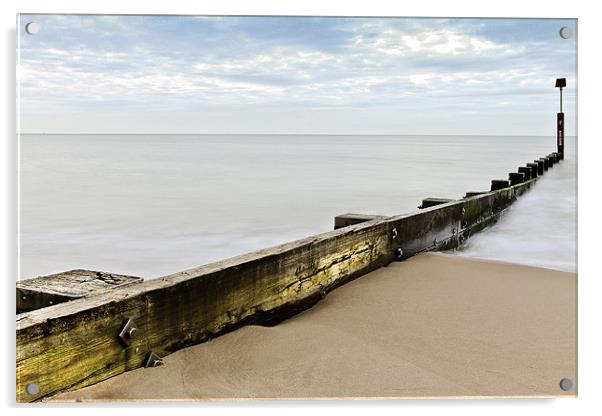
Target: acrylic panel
(281, 207)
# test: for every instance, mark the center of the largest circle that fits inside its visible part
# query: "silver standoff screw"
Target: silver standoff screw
(565, 32)
(32, 389)
(566, 384)
(32, 28)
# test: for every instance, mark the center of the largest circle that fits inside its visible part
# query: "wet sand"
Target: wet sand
(435, 325)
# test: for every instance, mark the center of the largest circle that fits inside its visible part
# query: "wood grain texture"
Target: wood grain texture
(75, 344)
(43, 291)
(345, 220)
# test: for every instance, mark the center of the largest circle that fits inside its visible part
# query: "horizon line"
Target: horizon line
(281, 134)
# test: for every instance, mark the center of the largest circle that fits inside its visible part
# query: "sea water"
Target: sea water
(540, 228)
(150, 205)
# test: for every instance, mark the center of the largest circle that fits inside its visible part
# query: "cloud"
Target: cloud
(430, 42)
(229, 65)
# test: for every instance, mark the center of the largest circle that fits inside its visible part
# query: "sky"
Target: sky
(293, 75)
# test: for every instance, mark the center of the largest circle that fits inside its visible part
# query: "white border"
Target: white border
(590, 293)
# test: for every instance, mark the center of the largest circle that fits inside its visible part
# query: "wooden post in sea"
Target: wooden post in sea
(534, 168)
(497, 184)
(560, 83)
(516, 178)
(345, 220)
(100, 324)
(525, 171)
(431, 202)
(542, 165)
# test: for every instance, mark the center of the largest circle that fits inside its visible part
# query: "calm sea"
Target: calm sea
(150, 205)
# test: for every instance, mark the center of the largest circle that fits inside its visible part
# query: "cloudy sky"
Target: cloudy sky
(300, 75)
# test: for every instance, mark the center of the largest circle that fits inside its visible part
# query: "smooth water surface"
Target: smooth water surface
(150, 205)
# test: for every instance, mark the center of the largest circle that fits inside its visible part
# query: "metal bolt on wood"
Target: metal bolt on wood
(128, 332)
(323, 293)
(66, 358)
(399, 253)
(152, 360)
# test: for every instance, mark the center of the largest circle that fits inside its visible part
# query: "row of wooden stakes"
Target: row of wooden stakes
(529, 171)
(525, 173)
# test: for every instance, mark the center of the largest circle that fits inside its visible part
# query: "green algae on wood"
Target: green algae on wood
(75, 344)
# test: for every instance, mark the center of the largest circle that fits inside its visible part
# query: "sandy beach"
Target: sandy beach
(435, 325)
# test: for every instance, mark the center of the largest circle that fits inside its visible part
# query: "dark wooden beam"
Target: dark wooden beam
(345, 220)
(44, 291)
(75, 344)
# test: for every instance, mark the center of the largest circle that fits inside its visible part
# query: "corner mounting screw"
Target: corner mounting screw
(152, 360)
(32, 389)
(128, 332)
(566, 384)
(32, 28)
(565, 32)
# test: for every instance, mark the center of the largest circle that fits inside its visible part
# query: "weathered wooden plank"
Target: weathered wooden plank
(345, 220)
(499, 184)
(44, 291)
(525, 170)
(75, 344)
(431, 202)
(516, 178)
(534, 169)
(474, 193)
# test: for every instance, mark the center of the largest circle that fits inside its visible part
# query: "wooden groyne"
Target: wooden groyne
(129, 323)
